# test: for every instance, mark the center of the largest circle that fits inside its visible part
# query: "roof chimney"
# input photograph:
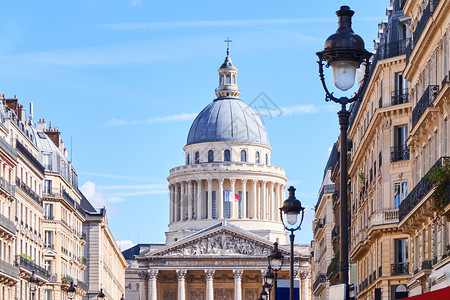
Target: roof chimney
(21, 113)
(12, 104)
(54, 135)
(41, 126)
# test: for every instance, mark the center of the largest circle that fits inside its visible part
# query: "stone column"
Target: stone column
(199, 214)
(209, 274)
(181, 274)
(304, 285)
(171, 206)
(190, 200)
(271, 201)
(244, 199)
(209, 198)
(264, 200)
(255, 199)
(153, 275)
(182, 202)
(219, 201)
(237, 274)
(143, 284)
(233, 205)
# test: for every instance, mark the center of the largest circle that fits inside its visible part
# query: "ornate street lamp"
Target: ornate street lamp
(344, 52)
(291, 210)
(34, 282)
(71, 291)
(268, 281)
(263, 295)
(275, 263)
(100, 295)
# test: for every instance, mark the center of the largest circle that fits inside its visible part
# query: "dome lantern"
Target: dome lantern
(228, 78)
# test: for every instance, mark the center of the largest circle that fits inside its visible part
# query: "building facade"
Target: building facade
(425, 212)
(224, 211)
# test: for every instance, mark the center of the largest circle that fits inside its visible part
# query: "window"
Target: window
(210, 156)
(399, 92)
(234, 79)
(221, 79)
(400, 151)
(401, 256)
(267, 159)
(47, 186)
(187, 159)
(400, 192)
(213, 201)
(197, 157)
(48, 211)
(48, 239)
(47, 161)
(227, 155)
(243, 156)
(228, 79)
(257, 157)
(48, 295)
(445, 137)
(48, 265)
(226, 207)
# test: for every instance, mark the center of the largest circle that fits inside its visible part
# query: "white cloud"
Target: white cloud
(299, 109)
(135, 3)
(114, 176)
(125, 244)
(96, 196)
(166, 119)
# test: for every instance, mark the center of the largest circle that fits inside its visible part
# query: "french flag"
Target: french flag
(230, 197)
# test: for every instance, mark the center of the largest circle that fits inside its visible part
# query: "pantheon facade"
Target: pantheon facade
(224, 212)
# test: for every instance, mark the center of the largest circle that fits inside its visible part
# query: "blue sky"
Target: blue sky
(124, 79)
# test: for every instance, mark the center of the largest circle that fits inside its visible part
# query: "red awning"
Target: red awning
(442, 294)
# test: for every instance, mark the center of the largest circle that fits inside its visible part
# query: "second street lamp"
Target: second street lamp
(344, 52)
(291, 210)
(275, 263)
(34, 282)
(71, 291)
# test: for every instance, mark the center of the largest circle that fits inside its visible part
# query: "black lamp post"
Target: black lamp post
(100, 295)
(291, 209)
(275, 263)
(34, 282)
(122, 298)
(344, 52)
(71, 291)
(268, 281)
(263, 295)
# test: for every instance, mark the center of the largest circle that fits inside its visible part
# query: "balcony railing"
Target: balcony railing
(326, 189)
(382, 217)
(420, 190)
(319, 225)
(7, 224)
(28, 191)
(49, 247)
(399, 152)
(424, 102)
(82, 285)
(321, 278)
(400, 269)
(31, 266)
(9, 270)
(399, 97)
(7, 187)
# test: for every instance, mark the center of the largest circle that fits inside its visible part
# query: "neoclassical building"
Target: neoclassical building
(224, 211)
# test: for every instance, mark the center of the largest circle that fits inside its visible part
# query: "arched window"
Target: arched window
(243, 156)
(228, 79)
(267, 159)
(187, 159)
(210, 156)
(197, 157)
(257, 160)
(227, 155)
(221, 79)
(234, 79)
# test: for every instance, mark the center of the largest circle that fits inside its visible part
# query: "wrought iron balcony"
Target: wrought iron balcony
(335, 232)
(400, 269)
(321, 278)
(31, 266)
(419, 191)
(425, 101)
(7, 187)
(326, 189)
(28, 191)
(9, 270)
(319, 225)
(7, 225)
(82, 285)
(399, 152)
(399, 97)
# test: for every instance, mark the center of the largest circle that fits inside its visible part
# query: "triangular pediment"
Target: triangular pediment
(219, 240)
